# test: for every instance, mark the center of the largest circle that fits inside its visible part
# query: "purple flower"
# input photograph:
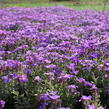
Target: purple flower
(64, 108)
(49, 96)
(106, 76)
(47, 61)
(57, 70)
(38, 79)
(51, 75)
(107, 64)
(74, 72)
(107, 69)
(72, 66)
(45, 97)
(65, 77)
(14, 75)
(86, 98)
(101, 107)
(107, 90)
(50, 66)
(20, 48)
(2, 104)
(54, 97)
(43, 105)
(92, 107)
(6, 79)
(23, 78)
(27, 71)
(94, 87)
(100, 67)
(81, 80)
(72, 88)
(75, 59)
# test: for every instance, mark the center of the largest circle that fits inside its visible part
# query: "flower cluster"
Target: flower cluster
(54, 58)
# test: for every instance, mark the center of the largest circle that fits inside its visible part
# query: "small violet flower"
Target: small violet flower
(86, 98)
(6, 79)
(23, 78)
(92, 107)
(2, 104)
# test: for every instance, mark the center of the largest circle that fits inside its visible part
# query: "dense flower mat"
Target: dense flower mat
(54, 58)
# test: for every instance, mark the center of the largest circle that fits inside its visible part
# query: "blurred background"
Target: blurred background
(76, 4)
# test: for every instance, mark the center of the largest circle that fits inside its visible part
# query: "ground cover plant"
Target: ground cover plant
(54, 58)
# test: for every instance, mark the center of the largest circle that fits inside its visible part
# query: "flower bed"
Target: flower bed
(54, 58)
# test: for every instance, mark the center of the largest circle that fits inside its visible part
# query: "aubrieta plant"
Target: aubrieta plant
(54, 58)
